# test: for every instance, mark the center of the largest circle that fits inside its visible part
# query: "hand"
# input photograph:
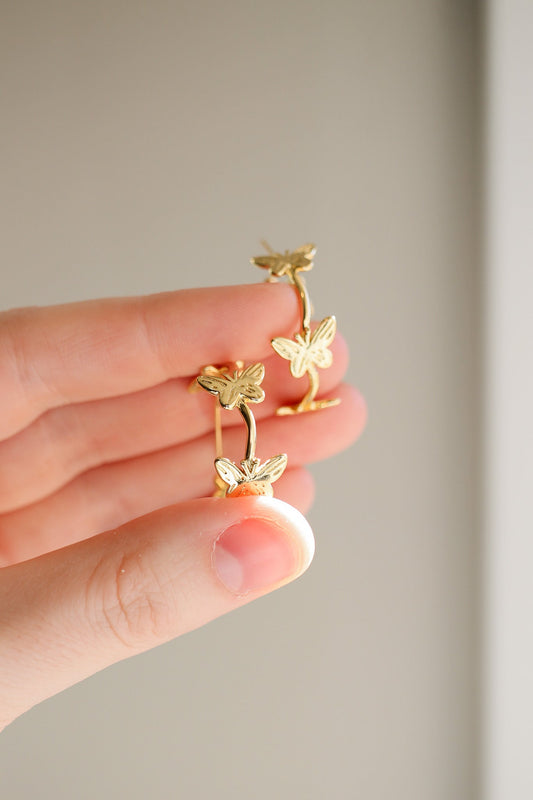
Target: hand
(106, 549)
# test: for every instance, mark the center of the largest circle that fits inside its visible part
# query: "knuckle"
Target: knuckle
(127, 599)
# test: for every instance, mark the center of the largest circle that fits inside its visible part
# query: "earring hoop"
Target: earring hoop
(211, 370)
(309, 350)
(235, 391)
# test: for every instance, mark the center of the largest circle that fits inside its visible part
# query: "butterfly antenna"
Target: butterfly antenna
(265, 244)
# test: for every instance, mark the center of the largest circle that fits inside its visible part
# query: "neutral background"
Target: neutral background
(149, 146)
(507, 648)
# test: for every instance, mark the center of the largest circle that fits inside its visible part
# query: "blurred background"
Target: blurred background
(149, 146)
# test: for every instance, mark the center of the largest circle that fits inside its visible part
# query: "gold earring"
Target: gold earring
(308, 350)
(211, 370)
(236, 391)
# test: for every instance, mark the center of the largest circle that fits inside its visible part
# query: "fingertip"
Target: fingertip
(269, 545)
(297, 526)
(359, 410)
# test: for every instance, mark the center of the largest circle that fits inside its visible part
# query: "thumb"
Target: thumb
(76, 610)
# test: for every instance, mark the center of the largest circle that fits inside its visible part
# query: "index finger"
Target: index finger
(75, 352)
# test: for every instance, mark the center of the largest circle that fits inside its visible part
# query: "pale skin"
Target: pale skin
(109, 542)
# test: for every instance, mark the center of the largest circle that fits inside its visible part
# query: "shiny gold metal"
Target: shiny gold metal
(308, 350)
(211, 370)
(236, 391)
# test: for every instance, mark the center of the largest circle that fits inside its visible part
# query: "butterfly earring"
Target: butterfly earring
(307, 351)
(235, 391)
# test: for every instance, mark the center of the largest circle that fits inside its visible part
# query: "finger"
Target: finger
(64, 442)
(103, 348)
(113, 494)
(75, 611)
(46, 527)
(296, 487)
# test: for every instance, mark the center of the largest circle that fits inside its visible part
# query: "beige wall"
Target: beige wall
(508, 400)
(149, 145)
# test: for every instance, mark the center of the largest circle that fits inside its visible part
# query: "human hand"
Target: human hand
(108, 543)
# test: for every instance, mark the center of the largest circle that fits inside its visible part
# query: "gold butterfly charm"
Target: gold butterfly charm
(310, 350)
(251, 477)
(236, 391)
(287, 263)
(233, 389)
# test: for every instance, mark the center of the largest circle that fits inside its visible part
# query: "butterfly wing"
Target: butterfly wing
(254, 373)
(323, 358)
(267, 262)
(272, 469)
(308, 250)
(293, 351)
(229, 472)
(213, 383)
(253, 393)
(320, 341)
(286, 348)
(325, 332)
(302, 257)
(249, 380)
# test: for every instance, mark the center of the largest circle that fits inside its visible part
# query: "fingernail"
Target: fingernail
(256, 554)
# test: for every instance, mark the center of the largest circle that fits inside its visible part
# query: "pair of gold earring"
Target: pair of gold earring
(236, 385)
